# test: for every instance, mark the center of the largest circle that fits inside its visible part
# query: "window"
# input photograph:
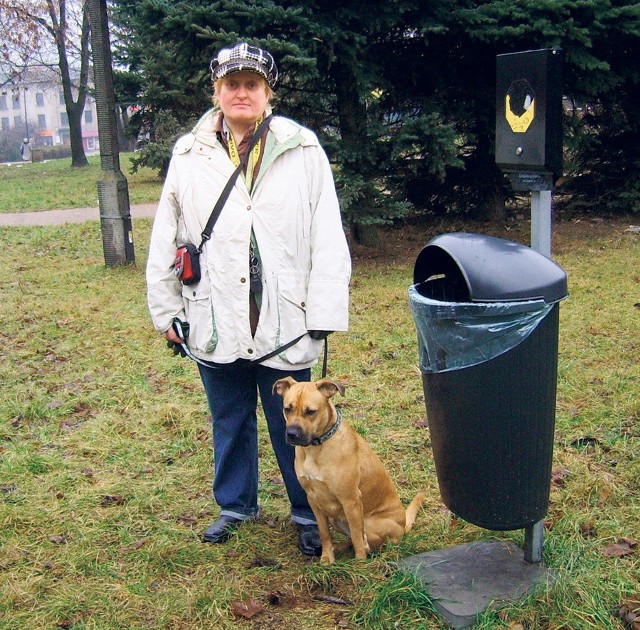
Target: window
(5, 124)
(64, 119)
(88, 116)
(3, 102)
(40, 99)
(17, 121)
(42, 121)
(15, 99)
(61, 98)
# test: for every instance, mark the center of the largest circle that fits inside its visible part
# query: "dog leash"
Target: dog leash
(182, 330)
(326, 356)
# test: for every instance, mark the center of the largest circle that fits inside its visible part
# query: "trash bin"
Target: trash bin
(487, 316)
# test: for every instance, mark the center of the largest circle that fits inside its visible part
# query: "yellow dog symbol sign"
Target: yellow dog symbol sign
(520, 106)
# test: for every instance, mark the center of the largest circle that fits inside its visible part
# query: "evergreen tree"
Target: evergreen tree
(402, 93)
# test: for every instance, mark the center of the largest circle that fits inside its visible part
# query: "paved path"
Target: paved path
(75, 215)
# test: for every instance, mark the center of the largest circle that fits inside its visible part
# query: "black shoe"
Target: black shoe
(309, 540)
(221, 530)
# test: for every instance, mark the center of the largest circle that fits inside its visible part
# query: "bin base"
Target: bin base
(466, 580)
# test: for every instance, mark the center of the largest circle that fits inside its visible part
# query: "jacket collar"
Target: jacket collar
(285, 132)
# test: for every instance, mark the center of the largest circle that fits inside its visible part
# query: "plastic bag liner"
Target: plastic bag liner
(456, 335)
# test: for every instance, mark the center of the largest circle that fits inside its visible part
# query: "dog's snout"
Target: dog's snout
(295, 435)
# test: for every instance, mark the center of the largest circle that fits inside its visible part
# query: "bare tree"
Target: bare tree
(53, 34)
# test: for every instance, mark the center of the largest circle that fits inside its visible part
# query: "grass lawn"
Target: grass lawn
(54, 185)
(105, 451)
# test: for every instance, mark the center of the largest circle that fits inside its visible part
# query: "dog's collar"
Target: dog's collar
(325, 436)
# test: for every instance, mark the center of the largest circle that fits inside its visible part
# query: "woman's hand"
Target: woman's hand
(172, 335)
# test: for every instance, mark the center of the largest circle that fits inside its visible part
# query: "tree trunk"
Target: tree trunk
(75, 109)
(74, 113)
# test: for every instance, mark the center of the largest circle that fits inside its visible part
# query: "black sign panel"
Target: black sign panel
(529, 111)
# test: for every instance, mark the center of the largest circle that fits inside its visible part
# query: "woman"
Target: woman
(276, 268)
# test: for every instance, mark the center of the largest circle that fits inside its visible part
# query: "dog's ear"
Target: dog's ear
(280, 387)
(329, 387)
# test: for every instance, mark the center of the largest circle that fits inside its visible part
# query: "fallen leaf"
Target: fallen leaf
(136, 545)
(69, 425)
(248, 609)
(421, 424)
(624, 547)
(82, 410)
(588, 530)
(69, 623)
(261, 561)
(629, 612)
(16, 422)
(111, 499)
(187, 519)
(58, 540)
(559, 475)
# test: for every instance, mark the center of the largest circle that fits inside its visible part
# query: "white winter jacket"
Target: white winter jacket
(294, 213)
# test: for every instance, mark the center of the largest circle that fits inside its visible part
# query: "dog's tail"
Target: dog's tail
(412, 511)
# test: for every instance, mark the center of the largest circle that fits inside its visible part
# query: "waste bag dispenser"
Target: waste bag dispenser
(487, 316)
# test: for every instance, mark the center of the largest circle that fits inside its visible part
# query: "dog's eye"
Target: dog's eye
(310, 412)
(287, 409)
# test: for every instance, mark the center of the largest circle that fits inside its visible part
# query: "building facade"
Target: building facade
(37, 109)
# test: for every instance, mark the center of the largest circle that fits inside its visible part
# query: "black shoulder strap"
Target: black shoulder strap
(226, 191)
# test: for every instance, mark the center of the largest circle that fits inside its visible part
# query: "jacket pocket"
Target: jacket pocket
(292, 307)
(203, 335)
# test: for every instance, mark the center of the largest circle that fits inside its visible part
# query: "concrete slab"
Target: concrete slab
(466, 580)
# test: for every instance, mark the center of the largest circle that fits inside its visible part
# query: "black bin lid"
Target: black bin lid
(489, 269)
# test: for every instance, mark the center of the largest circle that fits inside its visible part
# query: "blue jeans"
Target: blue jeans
(232, 393)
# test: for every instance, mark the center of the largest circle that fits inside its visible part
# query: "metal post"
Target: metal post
(533, 541)
(541, 242)
(113, 192)
(26, 120)
(541, 221)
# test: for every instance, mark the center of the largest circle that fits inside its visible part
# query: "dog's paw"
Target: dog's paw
(327, 557)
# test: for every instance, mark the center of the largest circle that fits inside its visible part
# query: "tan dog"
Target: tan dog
(347, 485)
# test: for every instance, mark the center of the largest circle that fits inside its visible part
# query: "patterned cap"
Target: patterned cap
(242, 56)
